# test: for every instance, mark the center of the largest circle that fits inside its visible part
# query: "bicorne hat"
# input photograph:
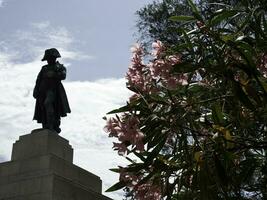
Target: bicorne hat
(53, 52)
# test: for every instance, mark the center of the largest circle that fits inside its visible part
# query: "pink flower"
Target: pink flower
(200, 24)
(136, 49)
(158, 48)
(137, 79)
(111, 127)
(134, 97)
(174, 59)
(121, 148)
(126, 129)
(136, 73)
(147, 191)
(158, 68)
(183, 79)
(144, 79)
(128, 178)
(136, 62)
(140, 146)
(172, 82)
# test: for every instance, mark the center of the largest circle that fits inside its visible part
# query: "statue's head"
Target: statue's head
(51, 54)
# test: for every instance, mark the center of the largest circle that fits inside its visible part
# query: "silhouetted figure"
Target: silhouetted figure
(50, 95)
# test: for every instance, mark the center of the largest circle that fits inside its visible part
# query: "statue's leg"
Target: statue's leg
(43, 113)
(57, 124)
(44, 125)
(50, 115)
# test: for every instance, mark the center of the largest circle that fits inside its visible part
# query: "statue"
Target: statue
(50, 95)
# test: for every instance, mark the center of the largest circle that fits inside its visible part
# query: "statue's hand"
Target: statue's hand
(50, 74)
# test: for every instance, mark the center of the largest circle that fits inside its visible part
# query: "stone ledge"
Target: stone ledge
(27, 186)
(37, 196)
(41, 142)
(68, 190)
(35, 166)
(49, 185)
(41, 168)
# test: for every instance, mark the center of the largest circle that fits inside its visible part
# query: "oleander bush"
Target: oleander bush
(196, 124)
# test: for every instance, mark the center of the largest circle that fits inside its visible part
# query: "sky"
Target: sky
(94, 38)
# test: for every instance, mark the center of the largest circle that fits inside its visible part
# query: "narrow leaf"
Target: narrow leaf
(182, 18)
(222, 16)
(217, 114)
(117, 186)
(155, 151)
(116, 170)
(119, 110)
(195, 10)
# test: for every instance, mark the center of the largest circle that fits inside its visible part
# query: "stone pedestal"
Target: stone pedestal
(41, 168)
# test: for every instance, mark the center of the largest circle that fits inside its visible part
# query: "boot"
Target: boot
(56, 126)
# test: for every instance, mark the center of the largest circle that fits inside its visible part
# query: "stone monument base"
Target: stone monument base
(41, 168)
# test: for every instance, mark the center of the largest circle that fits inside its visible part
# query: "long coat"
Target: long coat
(61, 105)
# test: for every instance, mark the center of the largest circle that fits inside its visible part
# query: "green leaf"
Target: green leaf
(243, 98)
(184, 67)
(252, 93)
(119, 110)
(145, 179)
(195, 10)
(116, 186)
(154, 153)
(220, 171)
(217, 114)
(182, 18)
(116, 170)
(135, 167)
(188, 41)
(222, 16)
(246, 51)
(263, 83)
(264, 22)
(246, 68)
(228, 37)
(158, 99)
(248, 167)
(183, 47)
(155, 140)
(141, 157)
(244, 24)
(196, 88)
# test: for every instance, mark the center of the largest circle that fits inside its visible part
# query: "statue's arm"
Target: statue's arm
(61, 72)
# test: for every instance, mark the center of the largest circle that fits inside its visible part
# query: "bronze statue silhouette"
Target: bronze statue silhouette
(51, 99)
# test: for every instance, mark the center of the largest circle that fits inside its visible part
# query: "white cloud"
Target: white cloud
(89, 102)
(1, 3)
(41, 25)
(2, 158)
(28, 43)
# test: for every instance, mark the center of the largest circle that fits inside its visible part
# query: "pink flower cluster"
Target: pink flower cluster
(126, 129)
(146, 191)
(136, 75)
(141, 76)
(158, 49)
(161, 67)
(128, 178)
